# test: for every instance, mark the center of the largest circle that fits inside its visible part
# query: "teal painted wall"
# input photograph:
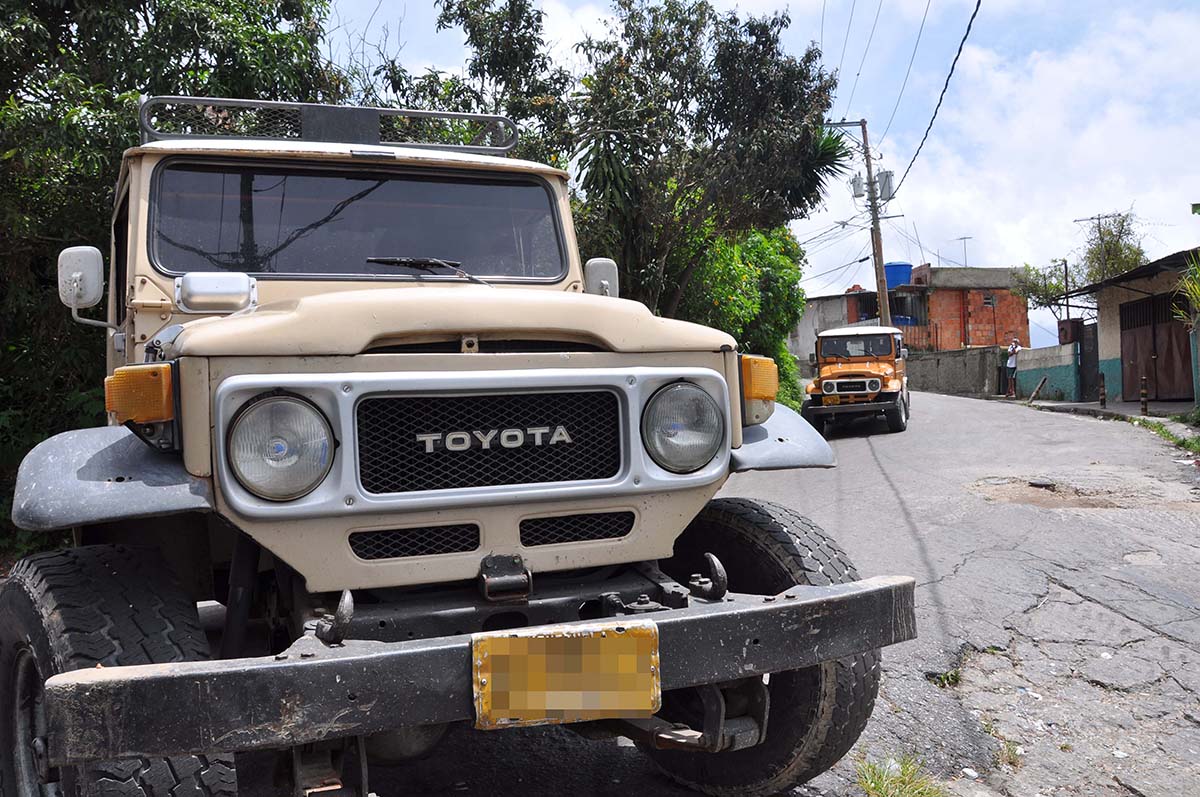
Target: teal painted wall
(1194, 339)
(1062, 382)
(1111, 369)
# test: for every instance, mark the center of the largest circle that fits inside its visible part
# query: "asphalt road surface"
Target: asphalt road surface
(1063, 625)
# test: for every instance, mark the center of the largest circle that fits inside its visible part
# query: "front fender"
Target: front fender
(784, 441)
(100, 475)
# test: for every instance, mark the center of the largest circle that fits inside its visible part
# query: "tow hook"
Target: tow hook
(714, 586)
(332, 628)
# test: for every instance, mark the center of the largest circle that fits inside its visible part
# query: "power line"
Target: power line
(907, 72)
(941, 97)
(835, 268)
(822, 45)
(846, 40)
(866, 50)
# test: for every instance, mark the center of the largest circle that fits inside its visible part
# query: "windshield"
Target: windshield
(308, 222)
(857, 346)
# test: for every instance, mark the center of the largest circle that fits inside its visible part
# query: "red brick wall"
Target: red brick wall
(950, 309)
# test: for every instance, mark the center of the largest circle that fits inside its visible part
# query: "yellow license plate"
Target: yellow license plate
(833, 399)
(556, 674)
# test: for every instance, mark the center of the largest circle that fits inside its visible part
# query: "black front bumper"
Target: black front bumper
(861, 407)
(313, 692)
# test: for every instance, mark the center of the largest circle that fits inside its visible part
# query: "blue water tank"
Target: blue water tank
(897, 274)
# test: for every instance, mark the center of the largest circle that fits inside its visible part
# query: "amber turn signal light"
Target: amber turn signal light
(760, 378)
(141, 393)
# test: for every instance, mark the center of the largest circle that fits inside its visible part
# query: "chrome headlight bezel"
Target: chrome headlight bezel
(651, 441)
(245, 415)
(828, 387)
(874, 385)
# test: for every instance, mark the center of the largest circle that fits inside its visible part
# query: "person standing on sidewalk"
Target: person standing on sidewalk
(1013, 348)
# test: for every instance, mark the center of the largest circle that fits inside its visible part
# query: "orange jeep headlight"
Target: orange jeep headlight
(141, 393)
(760, 378)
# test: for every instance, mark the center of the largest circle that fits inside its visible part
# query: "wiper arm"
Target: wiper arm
(428, 264)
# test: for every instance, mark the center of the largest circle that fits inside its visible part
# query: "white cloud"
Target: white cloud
(564, 27)
(1027, 142)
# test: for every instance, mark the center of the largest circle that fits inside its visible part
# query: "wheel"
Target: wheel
(897, 419)
(86, 607)
(817, 713)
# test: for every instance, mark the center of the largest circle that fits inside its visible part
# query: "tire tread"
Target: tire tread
(114, 605)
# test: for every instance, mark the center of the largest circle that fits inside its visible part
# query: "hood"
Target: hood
(351, 322)
(843, 370)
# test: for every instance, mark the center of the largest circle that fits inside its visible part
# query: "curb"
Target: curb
(1177, 429)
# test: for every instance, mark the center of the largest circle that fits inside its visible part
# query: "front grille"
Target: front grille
(393, 459)
(427, 541)
(575, 528)
(847, 386)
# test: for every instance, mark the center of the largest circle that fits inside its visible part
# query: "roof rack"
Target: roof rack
(169, 117)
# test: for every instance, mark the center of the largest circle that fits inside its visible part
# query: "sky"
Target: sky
(1057, 110)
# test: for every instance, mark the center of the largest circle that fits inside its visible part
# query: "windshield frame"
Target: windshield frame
(401, 275)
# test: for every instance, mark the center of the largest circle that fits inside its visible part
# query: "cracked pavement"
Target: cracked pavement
(1071, 617)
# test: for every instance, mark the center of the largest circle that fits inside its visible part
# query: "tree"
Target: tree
(694, 126)
(1113, 246)
(508, 71)
(70, 76)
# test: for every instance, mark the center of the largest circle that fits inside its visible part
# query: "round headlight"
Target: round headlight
(682, 427)
(280, 448)
(873, 385)
(828, 387)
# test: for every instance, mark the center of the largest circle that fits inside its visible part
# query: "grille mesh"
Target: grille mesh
(392, 459)
(401, 543)
(575, 528)
(857, 386)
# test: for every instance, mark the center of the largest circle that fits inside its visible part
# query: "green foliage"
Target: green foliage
(1186, 307)
(749, 286)
(70, 75)
(509, 71)
(695, 126)
(1113, 246)
(902, 777)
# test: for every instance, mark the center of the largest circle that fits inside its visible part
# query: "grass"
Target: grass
(1187, 443)
(899, 777)
(945, 679)
(1007, 754)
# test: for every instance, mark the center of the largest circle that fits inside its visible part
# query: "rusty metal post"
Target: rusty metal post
(1145, 404)
(1103, 393)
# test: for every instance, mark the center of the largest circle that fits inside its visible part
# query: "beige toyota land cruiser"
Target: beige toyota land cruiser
(384, 456)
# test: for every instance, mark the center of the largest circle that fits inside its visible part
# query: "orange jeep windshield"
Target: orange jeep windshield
(857, 346)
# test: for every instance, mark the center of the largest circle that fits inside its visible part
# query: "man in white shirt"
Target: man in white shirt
(1013, 348)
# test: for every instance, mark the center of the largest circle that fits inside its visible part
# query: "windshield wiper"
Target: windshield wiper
(428, 264)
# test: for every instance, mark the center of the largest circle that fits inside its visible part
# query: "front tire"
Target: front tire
(817, 713)
(86, 607)
(897, 419)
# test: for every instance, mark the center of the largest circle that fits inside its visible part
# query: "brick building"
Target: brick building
(940, 309)
(965, 307)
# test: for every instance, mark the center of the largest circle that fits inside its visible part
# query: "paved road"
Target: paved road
(1070, 619)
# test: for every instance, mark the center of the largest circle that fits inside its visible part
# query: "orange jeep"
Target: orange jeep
(859, 372)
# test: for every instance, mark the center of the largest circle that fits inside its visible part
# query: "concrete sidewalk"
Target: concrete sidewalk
(1159, 411)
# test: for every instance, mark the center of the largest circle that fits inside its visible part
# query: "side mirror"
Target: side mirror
(812, 358)
(600, 277)
(80, 277)
(903, 354)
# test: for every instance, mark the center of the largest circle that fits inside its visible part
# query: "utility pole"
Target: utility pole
(885, 310)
